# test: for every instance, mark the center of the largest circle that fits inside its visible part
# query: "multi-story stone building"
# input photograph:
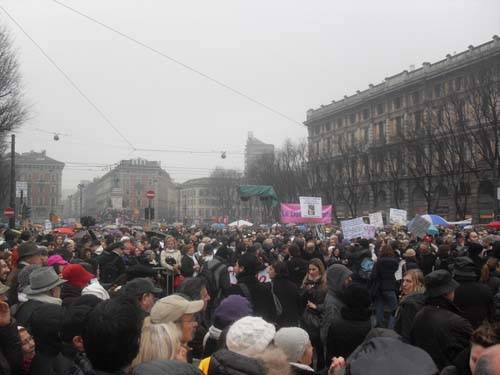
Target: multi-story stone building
(124, 189)
(254, 150)
(197, 201)
(43, 178)
(386, 146)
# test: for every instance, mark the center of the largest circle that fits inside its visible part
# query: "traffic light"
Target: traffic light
(149, 213)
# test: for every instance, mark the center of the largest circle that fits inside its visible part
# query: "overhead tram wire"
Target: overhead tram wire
(68, 78)
(178, 62)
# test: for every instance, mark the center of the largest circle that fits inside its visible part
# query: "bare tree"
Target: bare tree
(225, 188)
(12, 109)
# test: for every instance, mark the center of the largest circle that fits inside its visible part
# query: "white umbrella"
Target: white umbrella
(240, 223)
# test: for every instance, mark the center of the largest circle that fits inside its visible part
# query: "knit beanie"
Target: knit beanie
(76, 275)
(293, 341)
(231, 309)
(250, 336)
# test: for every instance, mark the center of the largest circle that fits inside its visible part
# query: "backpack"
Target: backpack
(212, 277)
(277, 304)
(365, 270)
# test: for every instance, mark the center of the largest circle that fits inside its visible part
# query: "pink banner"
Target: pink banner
(290, 214)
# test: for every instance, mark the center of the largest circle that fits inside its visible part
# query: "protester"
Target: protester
(384, 286)
(143, 291)
(28, 253)
(438, 327)
(295, 343)
(287, 295)
(411, 301)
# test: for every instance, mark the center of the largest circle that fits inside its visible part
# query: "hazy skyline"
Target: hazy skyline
(290, 55)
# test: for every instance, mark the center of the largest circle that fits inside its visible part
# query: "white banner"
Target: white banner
(376, 219)
(418, 226)
(311, 207)
(397, 216)
(353, 228)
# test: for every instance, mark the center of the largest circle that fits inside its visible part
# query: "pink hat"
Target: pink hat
(56, 259)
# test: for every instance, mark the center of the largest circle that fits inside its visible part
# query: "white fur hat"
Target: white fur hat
(250, 336)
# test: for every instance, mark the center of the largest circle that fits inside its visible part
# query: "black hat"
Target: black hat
(139, 286)
(27, 249)
(464, 269)
(438, 283)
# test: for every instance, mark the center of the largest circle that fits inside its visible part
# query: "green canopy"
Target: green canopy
(266, 193)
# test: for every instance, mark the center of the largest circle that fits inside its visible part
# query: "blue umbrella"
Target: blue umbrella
(435, 219)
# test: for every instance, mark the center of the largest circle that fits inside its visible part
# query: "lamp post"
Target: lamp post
(80, 187)
(12, 220)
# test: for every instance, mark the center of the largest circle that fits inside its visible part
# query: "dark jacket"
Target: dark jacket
(12, 282)
(288, 295)
(225, 362)
(384, 273)
(166, 368)
(426, 262)
(475, 301)
(261, 298)
(409, 306)
(440, 331)
(11, 352)
(297, 269)
(69, 293)
(24, 312)
(345, 335)
(46, 325)
(111, 266)
(81, 366)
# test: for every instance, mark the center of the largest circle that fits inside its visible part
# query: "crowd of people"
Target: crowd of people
(248, 301)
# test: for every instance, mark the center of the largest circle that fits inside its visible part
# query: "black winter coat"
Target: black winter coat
(409, 306)
(440, 331)
(297, 269)
(11, 352)
(288, 295)
(384, 273)
(111, 266)
(344, 336)
(261, 298)
(225, 362)
(426, 262)
(24, 312)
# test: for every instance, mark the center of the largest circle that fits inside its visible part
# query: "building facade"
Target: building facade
(42, 177)
(123, 190)
(254, 150)
(412, 141)
(197, 201)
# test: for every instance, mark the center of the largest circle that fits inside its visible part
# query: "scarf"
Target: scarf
(45, 298)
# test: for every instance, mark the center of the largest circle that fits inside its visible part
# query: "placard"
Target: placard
(353, 228)
(290, 214)
(418, 226)
(376, 219)
(310, 207)
(397, 216)
(369, 231)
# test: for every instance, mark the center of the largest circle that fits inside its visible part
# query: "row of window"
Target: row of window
(415, 98)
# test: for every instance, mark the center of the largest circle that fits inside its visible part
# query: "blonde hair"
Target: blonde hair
(418, 280)
(158, 342)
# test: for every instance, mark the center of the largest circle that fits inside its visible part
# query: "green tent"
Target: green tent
(266, 193)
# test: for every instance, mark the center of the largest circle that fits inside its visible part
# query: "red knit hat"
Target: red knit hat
(76, 275)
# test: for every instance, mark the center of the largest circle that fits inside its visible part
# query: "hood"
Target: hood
(336, 275)
(386, 355)
(165, 368)
(228, 362)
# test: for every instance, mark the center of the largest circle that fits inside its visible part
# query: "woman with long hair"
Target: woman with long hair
(490, 274)
(287, 294)
(159, 342)
(411, 301)
(384, 283)
(313, 292)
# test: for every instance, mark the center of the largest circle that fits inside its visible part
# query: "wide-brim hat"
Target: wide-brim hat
(42, 280)
(27, 249)
(438, 283)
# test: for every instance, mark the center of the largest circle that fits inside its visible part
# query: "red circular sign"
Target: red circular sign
(150, 194)
(8, 212)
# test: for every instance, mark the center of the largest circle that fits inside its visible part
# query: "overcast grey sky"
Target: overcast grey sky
(291, 55)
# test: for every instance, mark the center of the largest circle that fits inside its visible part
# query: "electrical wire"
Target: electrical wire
(68, 78)
(180, 63)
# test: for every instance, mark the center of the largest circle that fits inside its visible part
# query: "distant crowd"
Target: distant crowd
(248, 301)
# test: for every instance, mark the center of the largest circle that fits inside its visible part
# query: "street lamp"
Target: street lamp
(80, 187)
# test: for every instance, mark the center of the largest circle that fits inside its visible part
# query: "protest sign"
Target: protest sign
(290, 214)
(376, 219)
(418, 226)
(353, 228)
(369, 231)
(310, 207)
(397, 216)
